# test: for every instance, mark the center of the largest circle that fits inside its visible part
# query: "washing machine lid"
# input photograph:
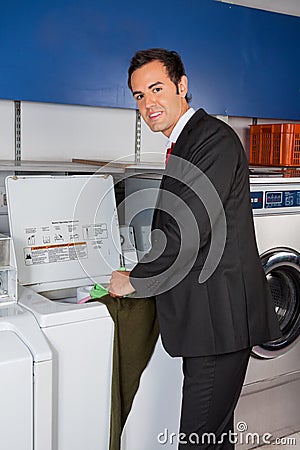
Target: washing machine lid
(64, 228)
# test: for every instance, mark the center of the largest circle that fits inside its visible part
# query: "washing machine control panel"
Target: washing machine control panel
(275, 199)
(282, 199)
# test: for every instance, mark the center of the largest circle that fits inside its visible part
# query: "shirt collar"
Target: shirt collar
(180, 126)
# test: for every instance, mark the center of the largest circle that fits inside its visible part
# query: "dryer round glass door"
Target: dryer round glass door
(282, 268)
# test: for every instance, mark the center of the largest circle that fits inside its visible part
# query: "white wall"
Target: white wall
(55, 132)
(291, 7)
(153, 145)
(62, 132)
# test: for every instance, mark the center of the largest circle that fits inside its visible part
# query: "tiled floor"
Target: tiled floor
(291, 442)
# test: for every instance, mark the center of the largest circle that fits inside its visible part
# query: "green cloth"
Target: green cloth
(135, 336)
(98, 291)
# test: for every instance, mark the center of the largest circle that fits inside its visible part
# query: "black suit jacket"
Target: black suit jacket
(204, 269)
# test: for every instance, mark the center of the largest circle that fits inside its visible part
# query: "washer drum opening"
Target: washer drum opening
(282, 268)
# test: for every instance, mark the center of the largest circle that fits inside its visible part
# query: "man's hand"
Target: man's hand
(119, 284)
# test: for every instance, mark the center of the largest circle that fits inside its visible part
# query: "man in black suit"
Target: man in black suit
(212, 297)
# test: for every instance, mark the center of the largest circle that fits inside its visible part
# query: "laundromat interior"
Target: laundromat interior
(79, 177)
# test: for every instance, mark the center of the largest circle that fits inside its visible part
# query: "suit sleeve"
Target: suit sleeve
(191, 204)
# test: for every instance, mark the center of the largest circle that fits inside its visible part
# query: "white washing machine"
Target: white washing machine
(270, 396)
(25, 367)
(65, 232)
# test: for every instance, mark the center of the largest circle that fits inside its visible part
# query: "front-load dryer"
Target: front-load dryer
(269, 404)
(65, 232)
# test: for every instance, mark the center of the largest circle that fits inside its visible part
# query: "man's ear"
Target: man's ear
(183, 86)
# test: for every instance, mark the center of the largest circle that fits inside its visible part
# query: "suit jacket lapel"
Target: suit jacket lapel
(181, 147)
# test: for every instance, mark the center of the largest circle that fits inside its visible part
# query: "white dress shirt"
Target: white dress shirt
(180, 126)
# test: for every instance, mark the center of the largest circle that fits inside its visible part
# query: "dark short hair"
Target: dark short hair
(170, 59)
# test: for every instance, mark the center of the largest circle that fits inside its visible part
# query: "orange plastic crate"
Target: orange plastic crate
(275, 144)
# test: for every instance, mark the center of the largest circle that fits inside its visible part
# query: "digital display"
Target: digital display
(273, 197)
(282, 199)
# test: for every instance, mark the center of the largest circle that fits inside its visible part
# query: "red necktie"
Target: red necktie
(169, 151)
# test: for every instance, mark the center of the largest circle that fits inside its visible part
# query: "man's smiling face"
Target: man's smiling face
(160, 102)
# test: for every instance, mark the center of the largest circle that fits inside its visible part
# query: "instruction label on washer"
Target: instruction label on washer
(62, 240)
(95, 231)
(46, 254)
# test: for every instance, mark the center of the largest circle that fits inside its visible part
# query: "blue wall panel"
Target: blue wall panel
(240, 61)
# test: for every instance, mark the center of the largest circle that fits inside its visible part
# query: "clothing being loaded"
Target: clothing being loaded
(135, 335)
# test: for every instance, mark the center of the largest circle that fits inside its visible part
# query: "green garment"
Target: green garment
(135, 336)
(98, 291)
